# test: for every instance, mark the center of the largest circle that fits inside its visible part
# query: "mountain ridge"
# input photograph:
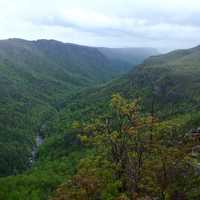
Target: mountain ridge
(166, 86)
(173, 85)
(36, 77)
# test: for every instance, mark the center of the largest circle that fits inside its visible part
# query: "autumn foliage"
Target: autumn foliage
(130, 160)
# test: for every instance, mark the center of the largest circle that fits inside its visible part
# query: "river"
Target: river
(38, 141)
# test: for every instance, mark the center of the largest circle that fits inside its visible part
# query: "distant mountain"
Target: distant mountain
(56, 62)
(36, 101)
(169, 82)
(35, 79)
(47, 70)
(46, 65)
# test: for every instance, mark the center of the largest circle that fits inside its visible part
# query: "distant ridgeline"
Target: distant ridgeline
(169, 84)
(35, 79)
(92, 141)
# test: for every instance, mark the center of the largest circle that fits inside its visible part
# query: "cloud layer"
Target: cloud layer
(166, 24)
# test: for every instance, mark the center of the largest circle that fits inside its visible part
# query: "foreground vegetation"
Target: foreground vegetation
(134, 147)
(135, 157)
(124, 154)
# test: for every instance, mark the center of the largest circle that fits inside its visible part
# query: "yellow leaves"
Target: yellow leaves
(124, 107)
(76, 125)
(132, 154)
(84, 139)
(131, 131)
(125, 110)
(114, 136)
(117, 101)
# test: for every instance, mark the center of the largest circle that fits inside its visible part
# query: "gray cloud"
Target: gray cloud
(165, 24)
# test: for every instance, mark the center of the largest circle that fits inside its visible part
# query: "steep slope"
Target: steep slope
(36, 77)
(167, 83)
(55, 62)
(48, 65)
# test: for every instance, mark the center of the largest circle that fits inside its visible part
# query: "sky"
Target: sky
(162, 24)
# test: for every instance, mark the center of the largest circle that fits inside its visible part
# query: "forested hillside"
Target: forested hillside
(155, 123)
(35, 79)
(168, 82)
(132, 138)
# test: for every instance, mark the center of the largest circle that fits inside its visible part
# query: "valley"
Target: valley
(36, 77)
(97, 123)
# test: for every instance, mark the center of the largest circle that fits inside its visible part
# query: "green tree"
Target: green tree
(132, 158)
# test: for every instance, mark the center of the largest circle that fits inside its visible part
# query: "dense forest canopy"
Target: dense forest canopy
(36, 77)
(109, 130)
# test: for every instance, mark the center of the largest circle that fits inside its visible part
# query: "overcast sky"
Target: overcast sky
(164, 24)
